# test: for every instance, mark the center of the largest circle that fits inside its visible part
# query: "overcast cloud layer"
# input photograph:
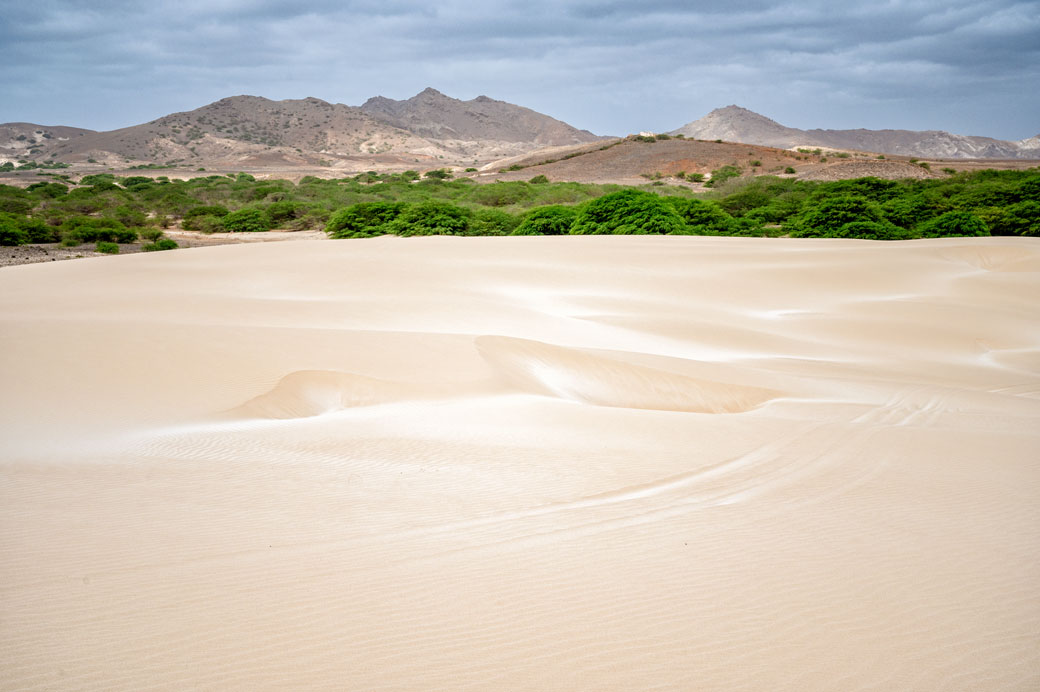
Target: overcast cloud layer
(969, 67)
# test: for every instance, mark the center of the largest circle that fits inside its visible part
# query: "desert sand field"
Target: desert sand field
(576, 463)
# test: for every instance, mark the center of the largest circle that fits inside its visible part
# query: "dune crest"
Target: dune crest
(580, 375)
(308, 393)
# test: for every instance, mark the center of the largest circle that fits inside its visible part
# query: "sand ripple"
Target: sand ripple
(580, 375)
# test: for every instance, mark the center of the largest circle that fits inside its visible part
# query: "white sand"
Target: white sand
(589, 463)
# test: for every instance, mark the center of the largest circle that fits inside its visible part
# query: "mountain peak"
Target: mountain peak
(736, 124)
(437, 116)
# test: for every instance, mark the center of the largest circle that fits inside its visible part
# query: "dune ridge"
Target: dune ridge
(523, 464)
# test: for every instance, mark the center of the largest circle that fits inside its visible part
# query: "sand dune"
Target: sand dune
(608, 463)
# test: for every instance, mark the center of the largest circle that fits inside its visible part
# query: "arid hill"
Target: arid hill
(736, 124)
(32, 141)
(433, 115)
(634, 160)
(426, 130)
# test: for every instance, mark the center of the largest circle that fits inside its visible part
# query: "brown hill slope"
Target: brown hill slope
(736, 124)
(426, 130)
(242, 129)
(432, 114)
(32, 141)
(632, 161)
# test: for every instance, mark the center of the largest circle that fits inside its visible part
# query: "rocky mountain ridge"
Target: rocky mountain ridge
(430, 128)
(736, 124)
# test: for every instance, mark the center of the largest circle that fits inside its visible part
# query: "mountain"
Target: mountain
(427, 129)
(249, 129)
(31, 141)
(432, 114)
(736, 124)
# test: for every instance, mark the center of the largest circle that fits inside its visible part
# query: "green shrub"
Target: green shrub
(151, 234)
(247, 220)
(364, 220)
(438, 174)
(500, 194)
(695, 177)
(492, 222)
(551, 220)
(471, 170)
(285, 211)
(50, 190)
(627, 212)
(910, 210)
(720, 175)
(40, 232)
(107, 247)
(11, 233)
(824, 217)
(953, 224)
(702, 217)
(97, 178)
(790, 170)
(871, 230)
(538, 180)
(127, 215)
(161, 244)
(206, 210)
(432, 217)
(77, 230)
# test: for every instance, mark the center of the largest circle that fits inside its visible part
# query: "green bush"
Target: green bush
(285, 211)
(824, 217)
(40, 232)
(151, 234)
(538, 180)
(871, 230)
(127, 215)
(492, 222)
(702, 217)
(790, 170)
(720, 175)
(77, 230)
(161, 244)
(364, 220)
(49, 190)
(438, 174)
(1016, 219)
(107, 247)
(432, 217)
(627, 212)
(247, 220)
(206, 210)
(12, 234)
(953, 223)
(551, 220)
(500, 194)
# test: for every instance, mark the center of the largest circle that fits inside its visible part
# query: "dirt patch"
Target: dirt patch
(891, 170)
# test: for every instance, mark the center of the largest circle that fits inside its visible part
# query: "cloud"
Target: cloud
(612, 67)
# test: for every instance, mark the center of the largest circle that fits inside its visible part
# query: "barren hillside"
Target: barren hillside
(432, 114)
(736, 124)
(631, 161)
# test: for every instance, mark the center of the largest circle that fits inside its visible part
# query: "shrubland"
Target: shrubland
(104, 208)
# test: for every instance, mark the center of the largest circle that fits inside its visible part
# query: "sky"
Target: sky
(612, 67)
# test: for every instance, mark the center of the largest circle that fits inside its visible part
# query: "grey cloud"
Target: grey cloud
(612, 67)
